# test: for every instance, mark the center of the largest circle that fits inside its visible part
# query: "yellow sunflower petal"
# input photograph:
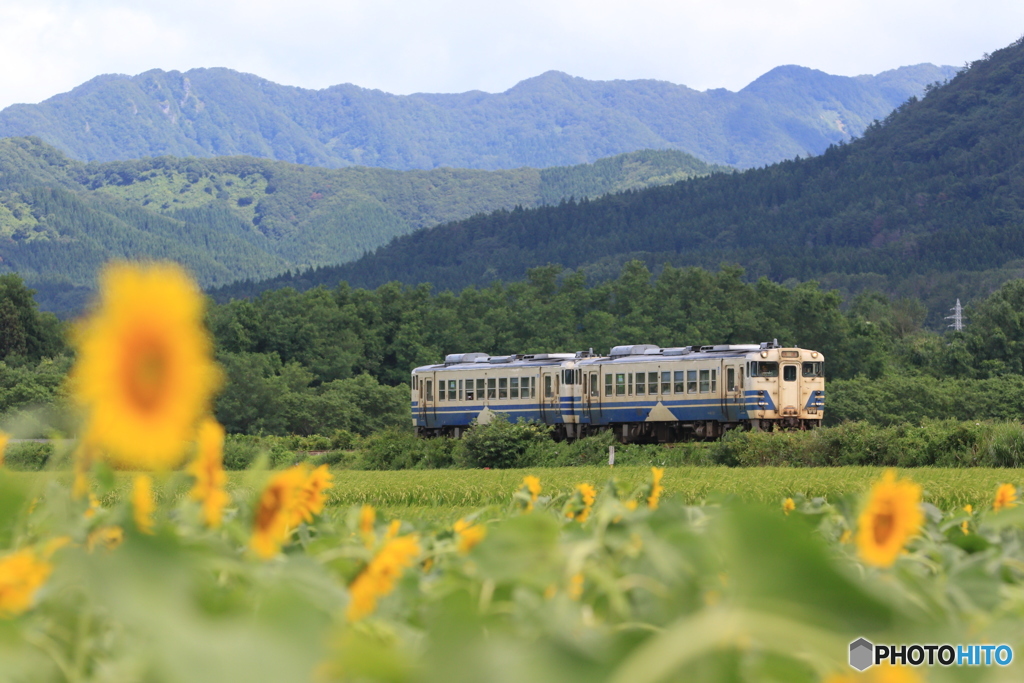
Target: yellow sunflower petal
(144, 373)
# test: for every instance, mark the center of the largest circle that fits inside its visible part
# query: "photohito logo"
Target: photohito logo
(864, 653)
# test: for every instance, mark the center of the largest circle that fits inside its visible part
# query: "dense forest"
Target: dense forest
(240, 217)
(550, 120)
(927, 204)
(325, 360)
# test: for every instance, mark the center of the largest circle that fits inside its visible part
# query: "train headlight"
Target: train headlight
(764, 354)
(814, 354)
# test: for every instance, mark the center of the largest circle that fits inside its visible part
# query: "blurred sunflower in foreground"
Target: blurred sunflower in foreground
(145, 375)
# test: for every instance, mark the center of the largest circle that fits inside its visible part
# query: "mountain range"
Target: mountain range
(551, 120)
(929, 202)
(228, 218)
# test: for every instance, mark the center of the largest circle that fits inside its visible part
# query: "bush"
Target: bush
(28, 456)
(500, 444)
(1005, 446)
(391, 449)
(240, 452)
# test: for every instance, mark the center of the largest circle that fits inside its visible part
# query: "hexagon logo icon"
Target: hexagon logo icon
(861, 654)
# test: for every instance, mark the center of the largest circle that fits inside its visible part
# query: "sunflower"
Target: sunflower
(380, 575)
(788, 505)
(468, 535)
(1006, 497)
(526, 495)
(22, 574)
(578, 506)
(3, 445)
(891, 517)
(208, 470)
(271, 524)
(311, 497)
(656, 488)
(144, 373)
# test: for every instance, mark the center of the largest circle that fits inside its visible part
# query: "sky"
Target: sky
(404, 46)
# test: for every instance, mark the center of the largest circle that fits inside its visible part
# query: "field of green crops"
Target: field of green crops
(445, 495)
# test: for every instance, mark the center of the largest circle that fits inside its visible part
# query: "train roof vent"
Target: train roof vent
(550, 356)
(677, 351)
(633, 350)
(501, 359)
(456, 358)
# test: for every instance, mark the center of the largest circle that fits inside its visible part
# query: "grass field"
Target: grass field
(445, 495)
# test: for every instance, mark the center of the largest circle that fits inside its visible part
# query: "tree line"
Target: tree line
(339, 359)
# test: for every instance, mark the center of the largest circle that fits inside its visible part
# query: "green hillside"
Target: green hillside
(550, 120)
(245, 218)
(929, 203)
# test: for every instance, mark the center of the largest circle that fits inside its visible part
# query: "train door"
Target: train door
(732, 401)
(549, 410)
(428, 399)
(592, 396)
(789, 389)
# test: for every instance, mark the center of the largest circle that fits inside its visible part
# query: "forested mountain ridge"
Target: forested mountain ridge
(929, 203)
(241, 217)
(550, 120)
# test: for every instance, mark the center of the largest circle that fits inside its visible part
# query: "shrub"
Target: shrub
(500, 444)
(240, 452)
(391, 449)
(28, 456)
(1005, 447)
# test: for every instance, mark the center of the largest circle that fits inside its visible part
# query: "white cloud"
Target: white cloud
(402, 46)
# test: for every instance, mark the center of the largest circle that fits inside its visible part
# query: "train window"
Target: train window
(430, 390)
(629, 384)
(593, 384)
(730, 379)
(620, 384)
(503, 388)
(414, 378)
(641, 386)
(666, 383)
(440, 390)
(548, 392)
(608, 385)
(691, 381)
(469, 390)
(513, 388)
(479, 390)
(451, 390)
(584, 393)
(741, 378)
(765, 369)
(812, 369)
(680, 382)
(789, 373)
(652, 383)
(705, 381)
(492, 388)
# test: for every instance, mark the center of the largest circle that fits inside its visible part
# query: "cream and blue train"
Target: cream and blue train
(642, 392)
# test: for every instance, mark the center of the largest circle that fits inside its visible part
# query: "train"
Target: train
(641, 392)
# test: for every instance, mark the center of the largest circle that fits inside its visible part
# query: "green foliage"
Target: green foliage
(709, 590)
(936, 184)
(500, 444)
(239, 218)
(933, 443)
(28, 456)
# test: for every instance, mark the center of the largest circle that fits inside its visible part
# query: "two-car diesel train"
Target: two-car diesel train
(642, 392)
